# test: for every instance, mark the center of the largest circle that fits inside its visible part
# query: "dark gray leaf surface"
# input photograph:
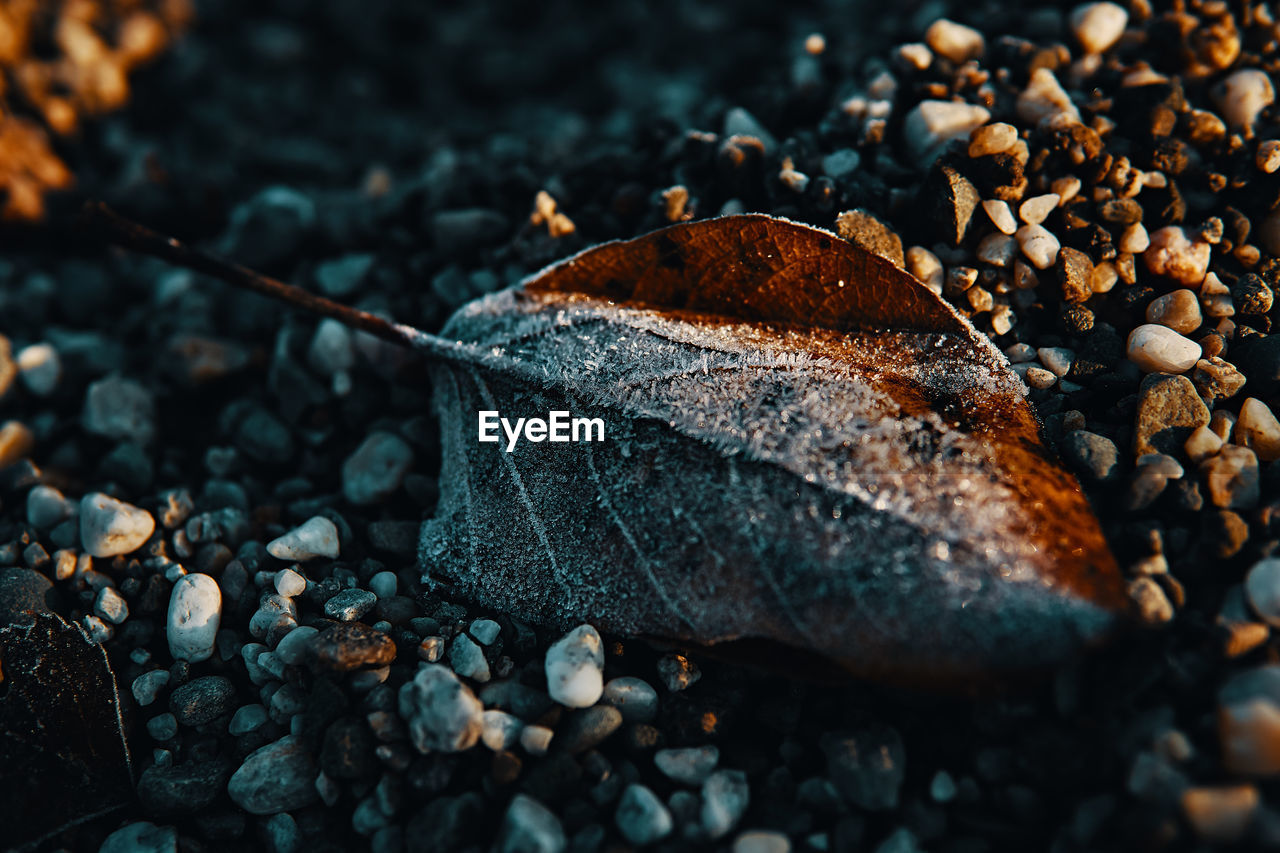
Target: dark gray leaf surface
(803, 445)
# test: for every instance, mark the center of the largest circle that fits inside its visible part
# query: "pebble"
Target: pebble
(994, 138)
(641, 817)
(147, 686)
(999, 250)
(1257, 428)
(688, 765)
(1173, 255)
(536, 740)
(350, 604)
(1241, 96)
(1097, 26)
(202, 700)
(349, 646)
(111, 606)
(575, 668)
(47, 508)
(1036, 209)
(842, 162)
(1251, 295)
(1231, 478)
(1159, 349)
(318, 537)
(1056, 359)
(634, 697)
(1179, 310)
(442, 713)
(1134, 239)
(109, 527)
(926, 267)
(1201, 444)
(1220, 815)
(761, 841)
(1038, 377)
(195, 612)
(141, 837)
(16, 443)
(500, 730)
(247, 718)
(1044, 98)
(1152, 605)
(341, 276)
(1001, 216)
(529, 827)
(120, 409)
(587, 728)
(376, 469)
(1075, 275)
(289, 583)
(725, 796)
(1268, 156)
(956, 42)
(1039, 245)
(467, 659)
(485, 631)
(1262, 590)
(1216, 379)
(933, 123)
(740, 122)
(384, 585)
(1091, 454)
(297, 645)
(678, 672)
(278, 777)
(1169, 410)
(40, 368)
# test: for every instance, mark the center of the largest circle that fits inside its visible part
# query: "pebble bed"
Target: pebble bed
(227, 496)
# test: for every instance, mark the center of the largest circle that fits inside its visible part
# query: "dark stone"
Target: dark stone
(1251, 295)
(862, 229)
(1077, 319)
(24, 591)
(1092, 455)
(1075, 274)
(202, 700)
(394, 537)
(588, 728)
(519, 699)
(459, 231)
(867, 767)
(347, 752)
(263, 437)
(446, 823)
(1120, 211)
(947, 200)
(350, 604)
(183, 788)
(350, 646)
(398, 609)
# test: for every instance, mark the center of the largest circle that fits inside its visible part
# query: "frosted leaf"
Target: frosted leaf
(803, 445)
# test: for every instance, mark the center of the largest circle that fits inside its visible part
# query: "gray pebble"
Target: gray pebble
(147, 686)
(442, 712)
(110, 605)
(634, 697)
(297, 645)
(641, 817)
(467, 659)
(1092, 455)
(278, 777)
(588, 728)
(163, 727)
(141, 837)
(485, 631)
(529, 827)
(47, 507)
(1262, 590)
(202, 700)
(689, 765)
(376, 469)
(119, 408)
(725, 796)
(247, 718)
(341, 276)
(350, 604)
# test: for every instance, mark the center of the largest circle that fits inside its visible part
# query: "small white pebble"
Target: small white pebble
(1001, 216)
(917, 55)
(1039, 245)
(1097, 26)
(994, 138)
(1159, 349)
(1171, 254)
(926, 267)
(954, 41)
(1201, 444)
(1044, 98)
(815, 44)
(1036, 209)
(1134, 239)
(1056, 359)
(40, 367)
(1067, 188)
(1019, 353)
(195, 611)
(289, 583)
(485, 631)
(1258, 429)
(1039, 378)
(318, 537)
(575, 668)
(536, 739)
(1242, 96)
(931, 123)
(997, 249)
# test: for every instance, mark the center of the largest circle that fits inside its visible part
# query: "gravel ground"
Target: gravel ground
(1093, 186)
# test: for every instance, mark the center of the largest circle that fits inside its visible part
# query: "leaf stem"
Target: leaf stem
(132, 235)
